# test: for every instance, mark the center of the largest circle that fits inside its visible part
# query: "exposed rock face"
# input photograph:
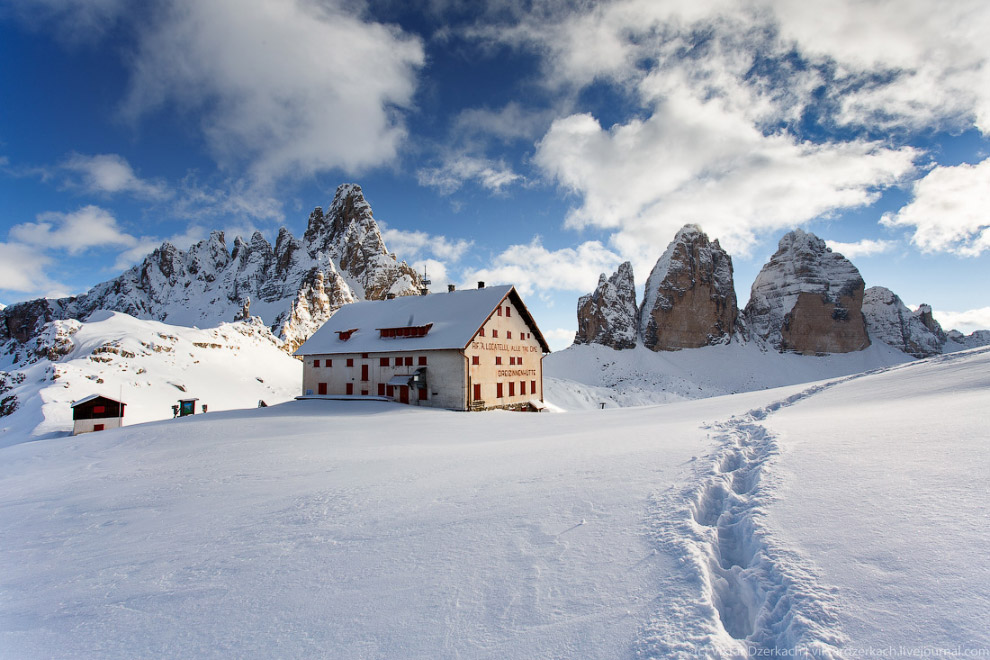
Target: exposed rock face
(808, 299)
(924, 315)
(972, 340)
(609, 315)
(690, 300)
(294, 286)
(890, 321)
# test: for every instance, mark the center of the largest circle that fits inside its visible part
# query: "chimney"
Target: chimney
(481, 285)
(450, 288)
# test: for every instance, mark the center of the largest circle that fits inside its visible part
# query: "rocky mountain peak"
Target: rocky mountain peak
(808, 299)
(924, 315)
(890, 321)
(609, 315)
(690, 298)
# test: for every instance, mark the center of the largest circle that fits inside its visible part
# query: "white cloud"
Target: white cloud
(696, 161)
(22, 269)
(290, 86)
(493, 175)
(409, 245)
(866, 247)
(534, 269)
(509, 123)
(560, 338)
(111, 173)
(76, 232)
(965, 322)
(948, 212)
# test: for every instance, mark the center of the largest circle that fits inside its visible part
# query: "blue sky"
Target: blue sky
(538, 144)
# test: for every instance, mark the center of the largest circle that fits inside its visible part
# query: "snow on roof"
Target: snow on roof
(455, 317)
(87, 399)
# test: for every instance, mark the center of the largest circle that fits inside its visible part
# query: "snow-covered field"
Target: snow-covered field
(832, 518)
(150, 365)
(587, 376)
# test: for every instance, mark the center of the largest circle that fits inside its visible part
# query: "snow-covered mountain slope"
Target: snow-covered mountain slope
(586, 376)
(294, 287)
(368, 529)
(150, 365)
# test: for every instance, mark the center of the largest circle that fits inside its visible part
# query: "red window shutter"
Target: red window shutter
(389, 390)
(508, 334)
(350, 388)
(422, 360)
(508, 311)
(500, 311)
(512, 388)
(532, 387)
(364, 372)
(364, 356)
(398, 362)
(381, 389)
(329, 363)
(382, 362)
(316, 363)
(519, 360)
(475, 359)
(364, 392)
(477, 392)
(498, 359)
(494, 333)
(99, 409)
(512, 361)
(350, 362)
(422, 394)
(498, 390)
(98, 427)
(522, 387)
(321, 388)
(481, 333)
(409, 361)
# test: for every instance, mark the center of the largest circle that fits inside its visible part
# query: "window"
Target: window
(329, 363)
(498, 390)
(532, 387)
(477, 392)
(522, 387)
(409, 361)
(99, 409)
(508, 334)
(408, 331)
(364, 392)
(350, 388)
(98, 427)
(422, 394)
(350, 362)
(364, 356)
(389, 390)
(382, 362)
(481, 333)
(495, 333)
(364, 372)
(512, 389)
(519, 360)
(498, 359)
(321, 388)
(508, 311)
(398, 362)
(475, 360)
(381, 389)
(500, 311)
(422, 360)
(316, 363)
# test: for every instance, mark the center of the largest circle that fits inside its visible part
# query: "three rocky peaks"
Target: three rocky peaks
(807, 299)
(294, 286)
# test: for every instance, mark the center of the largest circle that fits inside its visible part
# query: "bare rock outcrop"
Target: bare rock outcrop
(690, 299)
(609, 316)
(808, 299)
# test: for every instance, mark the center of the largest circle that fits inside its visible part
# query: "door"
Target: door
(403, 394)
(322, 388)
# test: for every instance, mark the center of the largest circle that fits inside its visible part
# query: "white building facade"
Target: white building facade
(463, 350)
